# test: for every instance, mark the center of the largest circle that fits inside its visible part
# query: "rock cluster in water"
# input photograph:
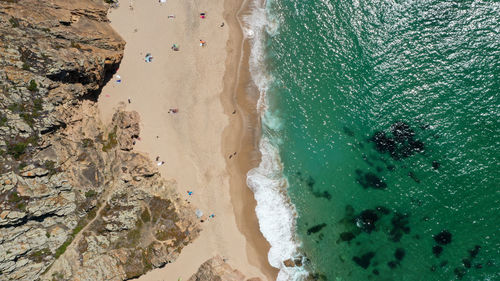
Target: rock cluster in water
(316, 228)
(369, 180)
(401, 144)
(364, 260)
(372, 220)
(309, 183)
(444, 238)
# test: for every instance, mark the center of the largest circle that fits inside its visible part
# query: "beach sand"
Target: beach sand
(206, 85)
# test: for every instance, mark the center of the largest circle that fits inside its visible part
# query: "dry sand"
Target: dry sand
(206, 84)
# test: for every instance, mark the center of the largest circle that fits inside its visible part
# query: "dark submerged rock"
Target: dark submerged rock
(459, 272)
(370, 180)
(443, 238)
(425, 126)
(473, 253)
(349, 211)
(400, 226)
(348, 131)
(402, 132)
(401, 144)
(417, 146)
(392, 264)
(366, 220)
(310, 182)
(347, 236)
(364, 260)
(467, 263)
(383, 143)
(437, 250)
(435, 164)
(317, 277)
(324, 194)
(376, 272)
(315, 228)
(399, 254)
(413, 177)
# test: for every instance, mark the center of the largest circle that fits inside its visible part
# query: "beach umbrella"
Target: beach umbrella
(199, 213)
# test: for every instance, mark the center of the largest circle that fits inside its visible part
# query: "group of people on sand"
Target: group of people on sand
(199, 213)
(175, 47)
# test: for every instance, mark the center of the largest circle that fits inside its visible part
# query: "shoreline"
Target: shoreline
(193, 141)
(243, 133)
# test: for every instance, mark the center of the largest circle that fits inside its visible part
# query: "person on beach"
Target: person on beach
(222, 24)
(129, 101)
(175, 47)
(203, 43)
(173, 110)
(202, 15)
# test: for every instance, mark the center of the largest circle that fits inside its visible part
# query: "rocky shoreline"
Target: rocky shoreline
(76, 201)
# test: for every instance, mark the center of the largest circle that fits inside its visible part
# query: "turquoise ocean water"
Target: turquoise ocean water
(385, 116)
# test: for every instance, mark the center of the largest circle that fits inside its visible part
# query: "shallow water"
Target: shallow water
(425, 75)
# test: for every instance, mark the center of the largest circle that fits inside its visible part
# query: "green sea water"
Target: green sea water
(423, 74)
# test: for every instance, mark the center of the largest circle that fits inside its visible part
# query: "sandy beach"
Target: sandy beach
(209, 143)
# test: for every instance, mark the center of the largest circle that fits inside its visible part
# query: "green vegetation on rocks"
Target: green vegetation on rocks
(50, 166)
(16, 149)
(14, 22)
(3, 120)
(145, 216)
(91, 193)
(110, 142)
(32, 86)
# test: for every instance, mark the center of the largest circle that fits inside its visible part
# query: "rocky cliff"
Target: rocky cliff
(76, 201)
(216, 269)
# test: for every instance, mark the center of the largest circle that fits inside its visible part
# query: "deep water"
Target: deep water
(389, 135)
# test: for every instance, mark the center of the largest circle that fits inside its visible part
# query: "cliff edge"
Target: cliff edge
(76, 202)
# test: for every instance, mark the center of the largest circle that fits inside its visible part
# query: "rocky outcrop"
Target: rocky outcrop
(216, 269)
(137, 222)
(76, 202)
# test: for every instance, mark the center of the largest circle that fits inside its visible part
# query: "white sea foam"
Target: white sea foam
(257, 27)
(274, 210)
